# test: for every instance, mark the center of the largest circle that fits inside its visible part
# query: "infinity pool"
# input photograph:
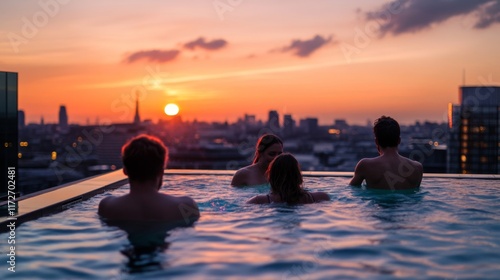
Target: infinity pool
(449, 229)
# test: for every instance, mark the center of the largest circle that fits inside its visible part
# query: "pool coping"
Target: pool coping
(59, 198)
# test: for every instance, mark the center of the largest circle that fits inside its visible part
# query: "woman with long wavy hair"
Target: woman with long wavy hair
(286, 182)
(268, 146)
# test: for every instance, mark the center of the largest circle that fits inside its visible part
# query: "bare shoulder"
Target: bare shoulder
(366, 162)
(320, 196)
(188, 207)
(240, 178)
(418, 165)
(415, 164)
(258, 199)
(107, 206)
(187, 201)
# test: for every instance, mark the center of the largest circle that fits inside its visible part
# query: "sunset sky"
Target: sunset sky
(218, 60)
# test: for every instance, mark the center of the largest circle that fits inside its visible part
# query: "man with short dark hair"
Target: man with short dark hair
(144, 160)
(389, 170)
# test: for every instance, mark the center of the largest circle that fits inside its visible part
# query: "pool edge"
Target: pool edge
(59, 198)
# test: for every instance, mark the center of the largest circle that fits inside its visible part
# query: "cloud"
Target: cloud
(153, 56)
(207, 45)
(409, 16)
(304, 48)
(489, 14)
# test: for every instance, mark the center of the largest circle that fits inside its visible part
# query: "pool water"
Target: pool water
(448, 229)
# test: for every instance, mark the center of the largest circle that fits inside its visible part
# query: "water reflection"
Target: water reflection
(147, 244)
(392, 210)
(286, 216)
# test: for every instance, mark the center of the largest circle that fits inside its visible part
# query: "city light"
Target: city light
(334, 131)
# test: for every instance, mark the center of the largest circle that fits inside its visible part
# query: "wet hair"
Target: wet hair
(387, 132)
(264, 142)
(285, 178)
(144, 157)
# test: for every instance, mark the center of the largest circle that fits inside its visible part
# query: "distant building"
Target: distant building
(309, 125)
(340, 124)
(63, 119)
(8, 133)
(273, 121)
(21, 120)
(474, 145)
(250, 119)
(288, 125)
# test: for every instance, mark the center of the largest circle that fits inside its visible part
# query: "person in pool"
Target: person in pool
(144, 160)
(268, 146)
(286, 182)
(389, 170)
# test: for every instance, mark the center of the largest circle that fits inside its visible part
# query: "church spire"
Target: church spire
(137, 119)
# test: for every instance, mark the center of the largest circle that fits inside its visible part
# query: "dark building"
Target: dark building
(63, 119)
(288, 125)
(21, 119)
(474, 145)
(273, 121)
(309, 125)
(340, 124)
(8, 133)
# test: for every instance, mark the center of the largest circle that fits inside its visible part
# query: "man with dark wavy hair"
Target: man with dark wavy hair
(144, 160)
(389, 170)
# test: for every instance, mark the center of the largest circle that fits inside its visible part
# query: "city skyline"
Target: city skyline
(219, 60)
(242, 118)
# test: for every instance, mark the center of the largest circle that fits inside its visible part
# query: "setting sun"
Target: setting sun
(171, 109)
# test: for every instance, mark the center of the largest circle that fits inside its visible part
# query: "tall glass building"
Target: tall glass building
(8, 132)
(474, 125)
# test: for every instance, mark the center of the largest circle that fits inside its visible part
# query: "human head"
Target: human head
(264, 142)
(387, 132)
(285, 177)
(144, 157)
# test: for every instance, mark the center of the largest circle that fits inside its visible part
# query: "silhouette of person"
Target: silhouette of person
(286, 182)
(268, 146)
(389, 170)
(144, 159)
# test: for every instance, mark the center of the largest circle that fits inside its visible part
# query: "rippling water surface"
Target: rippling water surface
(448, 229)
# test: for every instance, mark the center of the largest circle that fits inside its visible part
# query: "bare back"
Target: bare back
(157, 207)
(388, 171)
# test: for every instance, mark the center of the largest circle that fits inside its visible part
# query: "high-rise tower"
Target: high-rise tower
(474, 124)
(63, 118)
(273, 121)
(8, 134)
(288, 125)
(20, 119)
